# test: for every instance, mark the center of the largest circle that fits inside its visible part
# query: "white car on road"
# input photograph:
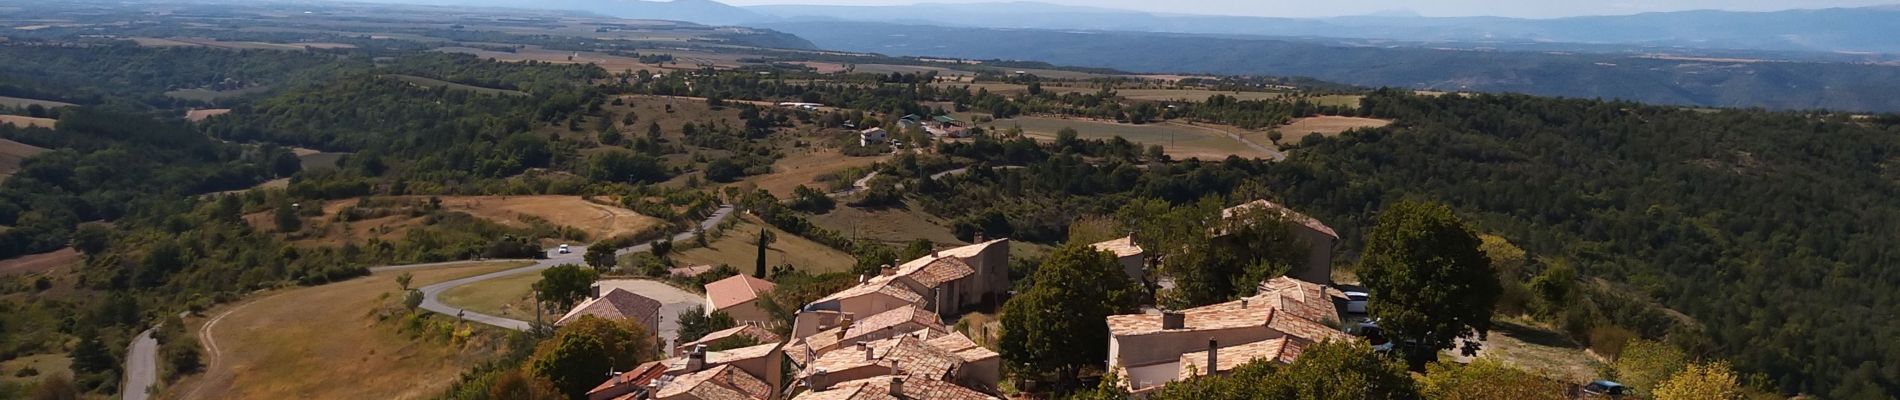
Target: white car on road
(564, 249)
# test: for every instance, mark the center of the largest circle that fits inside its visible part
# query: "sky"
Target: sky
(1433, 8)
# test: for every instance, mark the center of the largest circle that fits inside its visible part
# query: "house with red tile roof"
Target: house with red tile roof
(946, 282)
(894, 388)
(616, 305)
(738, 296)
(918, 356)
(743, 373)
(1151, 349)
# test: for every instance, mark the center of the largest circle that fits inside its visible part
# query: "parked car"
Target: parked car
(1356, 302)
(1605, 389)
(564, 249)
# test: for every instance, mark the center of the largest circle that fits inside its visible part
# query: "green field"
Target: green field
(22, 102)
(1180, 140)
(509, 297)
(321, 160)
(427, 82)
(738, 248)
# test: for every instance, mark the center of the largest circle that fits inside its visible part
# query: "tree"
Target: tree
(182, 358)
(92, 239)
(412, 299)
(628, 343)
(403, 280)
(1712, 381)
(1329, 370)
(1056, 325)
(1644, 364)
(601, 256)
(765, 239)
(573, 363)
(286, 218)
(918, 249)
(515, 384)
(565, 284)
(1485, 378)
(1429, 281)
(695, 323)
(56, 387)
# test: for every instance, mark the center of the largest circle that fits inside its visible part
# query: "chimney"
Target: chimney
(1243, 303)
(593, 292)
(1213, 356)
(818, 382)
(897, 387)
(697, 360)
(1173, 319)
(894, 368)
(866, 348)
(887, 269)
(933, 253)
(979, 237)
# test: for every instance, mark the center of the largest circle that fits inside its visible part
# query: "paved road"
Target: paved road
(961, 171)
(430, 294)
(141, 367)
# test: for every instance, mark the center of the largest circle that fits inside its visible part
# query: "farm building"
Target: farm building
(873, 136)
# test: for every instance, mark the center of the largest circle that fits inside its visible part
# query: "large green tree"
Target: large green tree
(601, 256)
(1057, 325)
(565, 284)
(1430, 284)
(695, 323)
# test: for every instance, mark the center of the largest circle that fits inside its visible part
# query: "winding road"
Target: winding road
(145, 364)
(431, 293)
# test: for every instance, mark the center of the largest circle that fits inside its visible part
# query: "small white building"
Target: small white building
(872, 136)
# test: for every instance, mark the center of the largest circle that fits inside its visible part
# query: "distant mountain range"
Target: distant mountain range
(1691, 81)
(1869, 29)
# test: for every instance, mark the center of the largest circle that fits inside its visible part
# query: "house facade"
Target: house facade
(1152, 349)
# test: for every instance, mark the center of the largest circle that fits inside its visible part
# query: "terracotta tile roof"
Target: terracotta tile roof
(829, 339)
(1282, 350)
(1308, 300)
(719, 382)
(1288, 213)
(1285, 304)
(942, 270)
(1123, 247)
(752, 331)
(879, 388)
(886, 285)
(724, 357)
(962, 346)
(912, 356)
(919, 274)
(735, 290)
(631, 380)
(617, 305)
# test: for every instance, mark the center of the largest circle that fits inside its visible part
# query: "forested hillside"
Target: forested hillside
(1776, 231)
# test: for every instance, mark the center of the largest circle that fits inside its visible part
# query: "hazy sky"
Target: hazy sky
(1320, 8)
